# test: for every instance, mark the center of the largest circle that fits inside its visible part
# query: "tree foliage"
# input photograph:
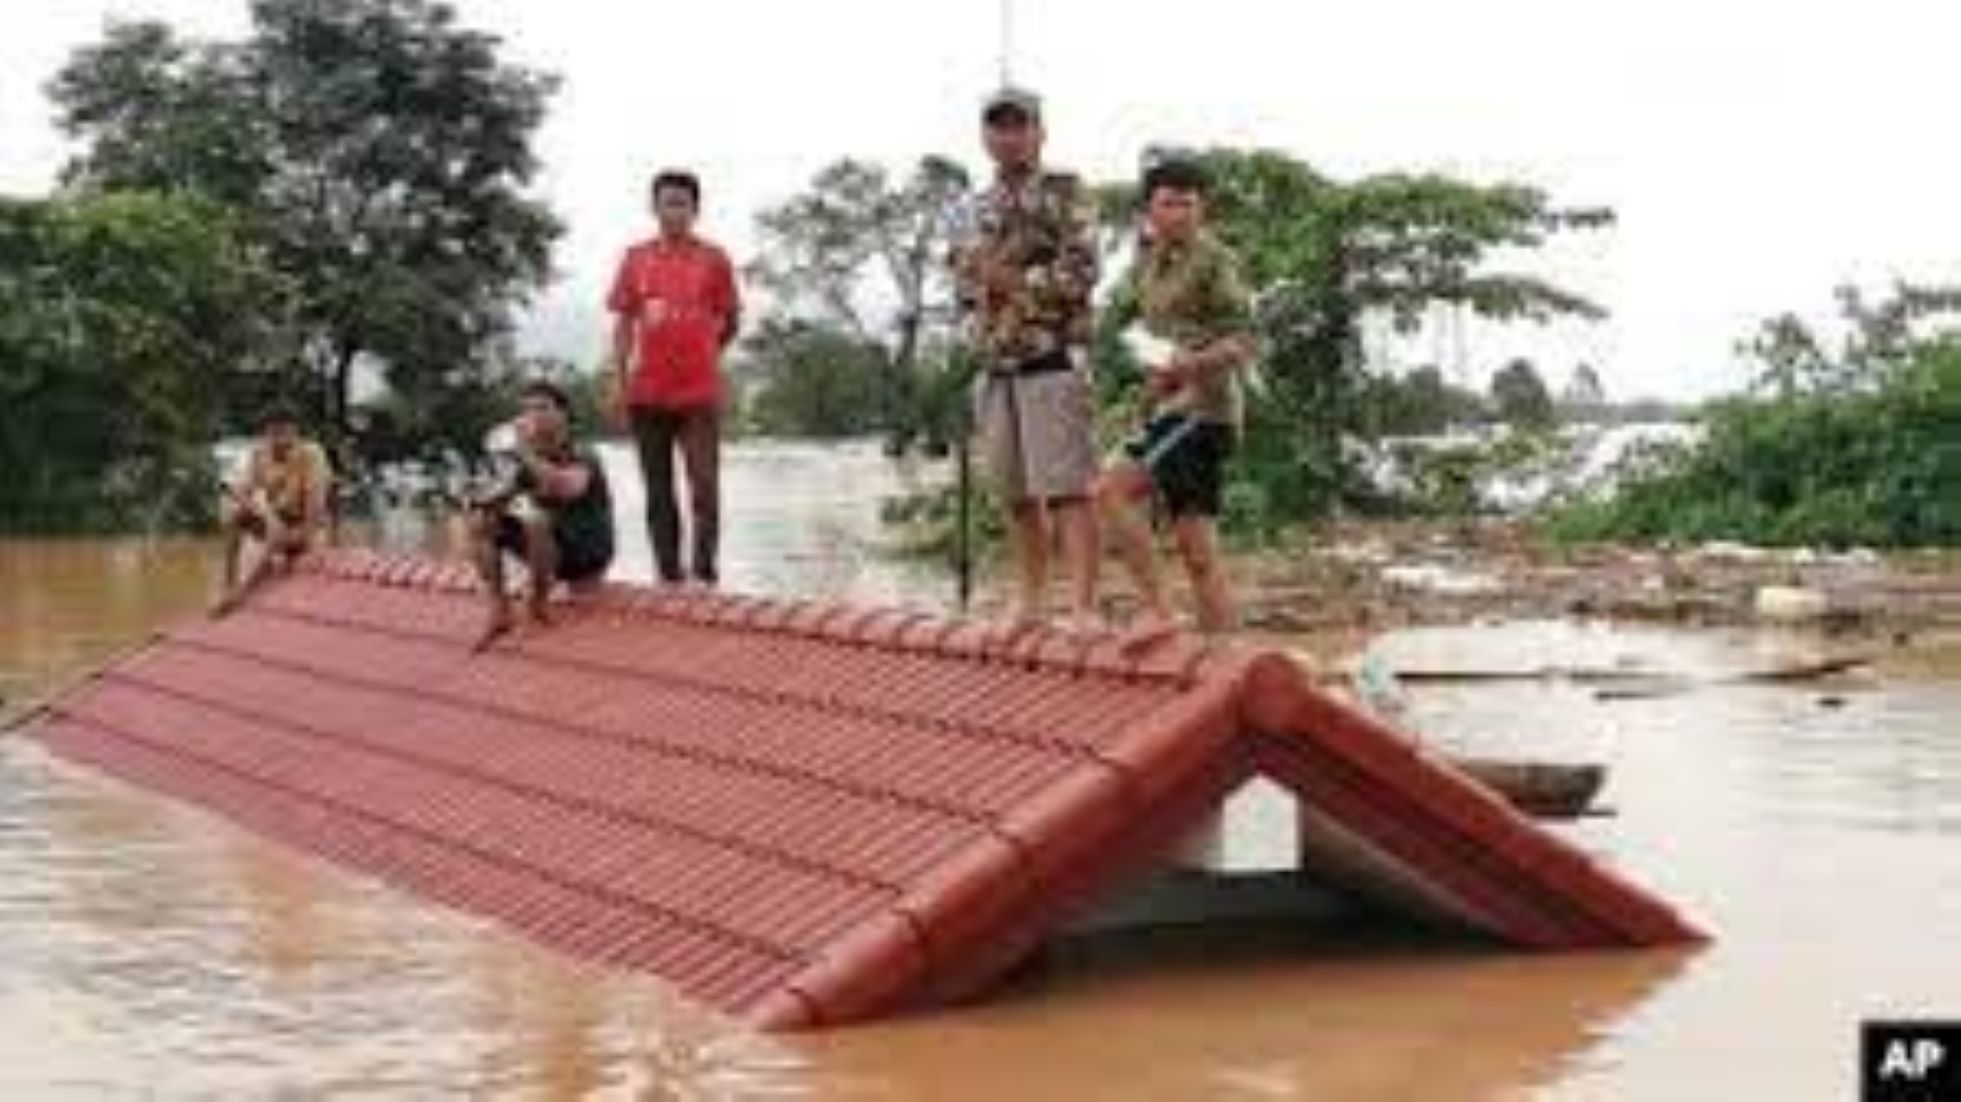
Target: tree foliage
(1423, 403)
(1874, 341)
(1845, 442)
(374, 151)
(1584, 397)
(1519, 396)
(1326, 259)
(813, 380)
(856, 263)
(127, 320)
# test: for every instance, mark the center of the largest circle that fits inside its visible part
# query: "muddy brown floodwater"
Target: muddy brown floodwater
(150, 951)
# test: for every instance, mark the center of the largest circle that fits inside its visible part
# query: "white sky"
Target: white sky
(1758, 152)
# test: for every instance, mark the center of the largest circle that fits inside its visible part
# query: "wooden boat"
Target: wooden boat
(1541, 789)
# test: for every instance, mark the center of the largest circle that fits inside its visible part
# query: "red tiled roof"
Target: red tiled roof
(801, 814)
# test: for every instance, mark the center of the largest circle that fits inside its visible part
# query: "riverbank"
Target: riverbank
(1384, 575)
(1329, 591)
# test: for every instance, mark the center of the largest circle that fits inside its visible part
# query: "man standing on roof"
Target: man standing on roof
(1197, 323)
(676, 308)
(1025, 281)
(279, 503)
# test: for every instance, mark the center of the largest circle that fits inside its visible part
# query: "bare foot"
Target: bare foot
(493, 629)
(1147, 630)
(1009, 628)
(235, 595)
(1084, 623)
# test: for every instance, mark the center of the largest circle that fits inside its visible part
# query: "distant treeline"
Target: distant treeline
(1853, 443)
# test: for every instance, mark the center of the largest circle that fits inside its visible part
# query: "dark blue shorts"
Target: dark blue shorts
(1186, 461)
(578, 560)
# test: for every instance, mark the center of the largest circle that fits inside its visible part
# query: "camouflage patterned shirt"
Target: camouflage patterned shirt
(1192, 295)
(1027, 275)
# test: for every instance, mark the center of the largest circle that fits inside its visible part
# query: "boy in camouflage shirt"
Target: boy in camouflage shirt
(1196, 315)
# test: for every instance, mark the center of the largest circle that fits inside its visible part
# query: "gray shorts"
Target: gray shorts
(1037, 432)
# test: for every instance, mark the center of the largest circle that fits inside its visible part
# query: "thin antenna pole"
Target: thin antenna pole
(1006, 10)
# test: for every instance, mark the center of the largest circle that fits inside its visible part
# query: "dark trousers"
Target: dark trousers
(697, 434)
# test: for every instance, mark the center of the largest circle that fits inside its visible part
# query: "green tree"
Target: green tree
(1423, 403)
(1519, 396)
(860, 255)
(1876, 340)
(1842, 442)
(813, 380)
(376, 151)
(125, 321)
(1328, 257)
(1584, 398)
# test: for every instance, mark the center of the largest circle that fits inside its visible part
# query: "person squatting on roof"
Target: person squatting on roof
(277, 508)
(554, 511)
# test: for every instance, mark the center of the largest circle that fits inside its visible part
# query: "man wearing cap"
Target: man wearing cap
(1025, 280)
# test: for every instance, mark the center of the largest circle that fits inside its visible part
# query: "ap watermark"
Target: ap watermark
(1910, 1061)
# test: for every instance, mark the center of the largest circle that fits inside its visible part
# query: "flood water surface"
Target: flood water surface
(148, 950)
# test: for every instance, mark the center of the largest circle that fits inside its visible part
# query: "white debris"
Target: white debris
(1789, 604)
(1731, 551)
(1442, 580)
(1149, 349)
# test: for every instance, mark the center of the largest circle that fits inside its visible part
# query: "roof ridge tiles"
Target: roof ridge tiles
(844, 622)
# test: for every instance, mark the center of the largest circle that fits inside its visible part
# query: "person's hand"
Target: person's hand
(1171, 376)
(616, 414)
(490, 497)
(999, 278)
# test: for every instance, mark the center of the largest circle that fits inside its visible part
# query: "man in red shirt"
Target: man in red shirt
(676, 308)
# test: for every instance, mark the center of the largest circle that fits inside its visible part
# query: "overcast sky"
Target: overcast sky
(1757, 152)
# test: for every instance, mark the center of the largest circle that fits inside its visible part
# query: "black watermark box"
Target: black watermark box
(1910, 1061)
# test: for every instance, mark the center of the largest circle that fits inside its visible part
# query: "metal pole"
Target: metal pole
(963, 535)
(1007, 29)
